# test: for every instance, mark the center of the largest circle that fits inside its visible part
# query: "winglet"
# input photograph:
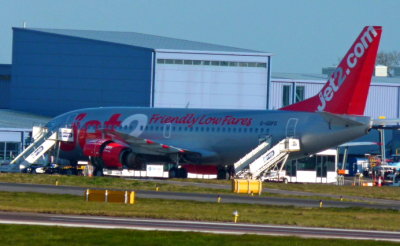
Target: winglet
(346, 90)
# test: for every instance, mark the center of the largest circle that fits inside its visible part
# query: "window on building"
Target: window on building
(178, 61)
(12, 150)
(3, 151)
(8, 151)
(299, 93)
(286, 95)
(307, 163)
(214, 63)
(321, 166)
(330, 163)
(291, 169)
(233, 64)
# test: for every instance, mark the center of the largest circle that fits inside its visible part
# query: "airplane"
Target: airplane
(117, 137)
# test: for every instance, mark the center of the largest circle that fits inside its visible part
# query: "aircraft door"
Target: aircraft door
(291, 127)
(167, 130)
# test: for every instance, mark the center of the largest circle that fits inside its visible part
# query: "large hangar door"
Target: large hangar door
(210, 81)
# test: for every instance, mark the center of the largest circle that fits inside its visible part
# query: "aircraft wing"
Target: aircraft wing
(148, 146)
(151, 147)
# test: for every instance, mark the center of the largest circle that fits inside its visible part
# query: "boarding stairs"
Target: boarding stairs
(241, 166)
(262, 160)
(45, 139)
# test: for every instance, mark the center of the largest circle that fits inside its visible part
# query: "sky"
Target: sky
(302, 35)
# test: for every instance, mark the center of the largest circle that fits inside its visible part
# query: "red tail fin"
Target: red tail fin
(346, 91)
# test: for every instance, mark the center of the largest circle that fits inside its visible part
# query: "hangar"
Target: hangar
(55, 71)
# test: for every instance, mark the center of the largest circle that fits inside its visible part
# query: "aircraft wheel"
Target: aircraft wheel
(98, 172)
(173, 172)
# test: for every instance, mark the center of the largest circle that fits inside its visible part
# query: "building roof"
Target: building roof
(299, 76)
(322, 78)
(141, 40)
(18, 119)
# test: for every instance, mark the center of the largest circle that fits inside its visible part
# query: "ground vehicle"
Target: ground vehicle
(275, 176)
(35, 168)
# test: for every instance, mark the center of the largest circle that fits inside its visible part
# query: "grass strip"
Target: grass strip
(354, 218)
(102, 182)
(384, 192)
(391, 193)
(43, 236)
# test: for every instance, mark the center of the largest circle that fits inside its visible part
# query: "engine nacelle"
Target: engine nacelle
(95, 147)
(113, 155)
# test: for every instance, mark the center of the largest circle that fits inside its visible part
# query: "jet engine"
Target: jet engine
(110, 154)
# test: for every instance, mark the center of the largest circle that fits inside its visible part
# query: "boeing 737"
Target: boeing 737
(116, 137)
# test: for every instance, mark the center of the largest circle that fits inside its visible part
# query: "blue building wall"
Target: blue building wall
(5, 83)
(53, 74)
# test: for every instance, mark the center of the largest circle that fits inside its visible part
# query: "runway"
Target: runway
(225, 198)
(192, 226)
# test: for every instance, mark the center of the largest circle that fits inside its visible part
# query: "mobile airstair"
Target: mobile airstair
(261, 160)
(45, 139)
